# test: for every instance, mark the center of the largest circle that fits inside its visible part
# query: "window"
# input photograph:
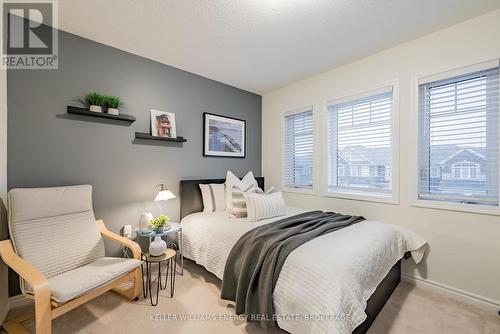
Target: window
(365, 171)
(359, 133)
(341, 170)
(458, 136)
(465, 170)
(387, 173)
(435, 172)
(299, 149)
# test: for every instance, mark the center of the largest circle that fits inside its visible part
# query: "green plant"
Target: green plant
(158, 222)
(94, 98)
(112, 102)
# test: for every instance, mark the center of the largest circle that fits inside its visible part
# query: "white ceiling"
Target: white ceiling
(260, 45)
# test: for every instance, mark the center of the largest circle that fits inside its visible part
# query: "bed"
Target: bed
(330, 294)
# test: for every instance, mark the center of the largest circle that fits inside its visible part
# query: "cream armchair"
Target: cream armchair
(57, 249)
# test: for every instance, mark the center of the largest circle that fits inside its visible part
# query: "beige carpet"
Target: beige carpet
(410, 310)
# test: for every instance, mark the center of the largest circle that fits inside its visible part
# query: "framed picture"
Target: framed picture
(163, 124)
(223, 136)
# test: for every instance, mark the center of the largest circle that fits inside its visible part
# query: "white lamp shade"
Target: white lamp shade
(164, 195)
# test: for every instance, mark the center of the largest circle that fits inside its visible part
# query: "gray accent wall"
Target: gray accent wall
(48, 147)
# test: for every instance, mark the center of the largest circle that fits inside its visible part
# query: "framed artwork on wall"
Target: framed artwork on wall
(224, 136)
(163, 124)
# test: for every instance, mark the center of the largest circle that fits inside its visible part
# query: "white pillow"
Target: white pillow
(239, 209)
(233, 181)
(250, 179)
(270, 190)
(214, 197)
(262, 206)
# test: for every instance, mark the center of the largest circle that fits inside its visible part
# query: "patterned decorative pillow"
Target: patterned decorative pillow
(262, 206)
(233, 181)
(214, 197)
(239, 203)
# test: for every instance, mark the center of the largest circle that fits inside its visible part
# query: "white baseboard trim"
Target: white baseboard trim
(485, 303)
(4, 312)
(19, 301)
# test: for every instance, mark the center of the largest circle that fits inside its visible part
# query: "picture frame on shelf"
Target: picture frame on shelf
(163, 124)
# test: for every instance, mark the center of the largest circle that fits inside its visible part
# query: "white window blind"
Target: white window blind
(458, 140)
(360, 144)
(299, 149)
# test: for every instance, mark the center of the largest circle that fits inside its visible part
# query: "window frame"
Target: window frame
(391, 198)
(284, 188)
(417, 80)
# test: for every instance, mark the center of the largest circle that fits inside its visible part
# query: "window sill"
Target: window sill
(377, 198)
(302, 191)
(460, 207)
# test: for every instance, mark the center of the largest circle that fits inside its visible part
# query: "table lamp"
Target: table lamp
(161, 193)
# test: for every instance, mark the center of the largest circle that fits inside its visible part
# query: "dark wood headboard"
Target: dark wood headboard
(190, 194)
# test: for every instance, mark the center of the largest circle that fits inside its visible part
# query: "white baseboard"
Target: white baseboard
(4, 312)
(19, 301)
(485, 303)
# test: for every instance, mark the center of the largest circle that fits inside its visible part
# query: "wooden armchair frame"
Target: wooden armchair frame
(47, 309)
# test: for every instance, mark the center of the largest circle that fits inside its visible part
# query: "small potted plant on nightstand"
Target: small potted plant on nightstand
(95, 101)
(158, 246)
(159, 224)
(112, 103)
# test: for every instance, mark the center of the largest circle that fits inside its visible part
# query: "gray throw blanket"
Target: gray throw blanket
(255, 262)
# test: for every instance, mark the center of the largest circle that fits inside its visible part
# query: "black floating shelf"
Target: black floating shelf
(86, 112)
(142, 135)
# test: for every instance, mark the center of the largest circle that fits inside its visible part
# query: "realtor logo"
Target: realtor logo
(29, 34)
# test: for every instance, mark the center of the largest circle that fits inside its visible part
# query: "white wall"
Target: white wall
(3, 189)
(464, 247)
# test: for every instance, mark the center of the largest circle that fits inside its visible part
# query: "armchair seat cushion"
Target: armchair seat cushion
(77, 282)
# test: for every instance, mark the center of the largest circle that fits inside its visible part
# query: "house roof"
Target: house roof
(370, 155)
(440, 154)
(464, 151)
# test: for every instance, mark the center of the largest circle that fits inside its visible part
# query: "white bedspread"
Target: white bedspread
(324, 284)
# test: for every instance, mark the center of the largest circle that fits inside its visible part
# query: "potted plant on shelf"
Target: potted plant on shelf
(159, 224)
(112, 103)
(95, 101)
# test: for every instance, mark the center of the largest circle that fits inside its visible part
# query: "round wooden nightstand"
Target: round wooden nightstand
(169, 257)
